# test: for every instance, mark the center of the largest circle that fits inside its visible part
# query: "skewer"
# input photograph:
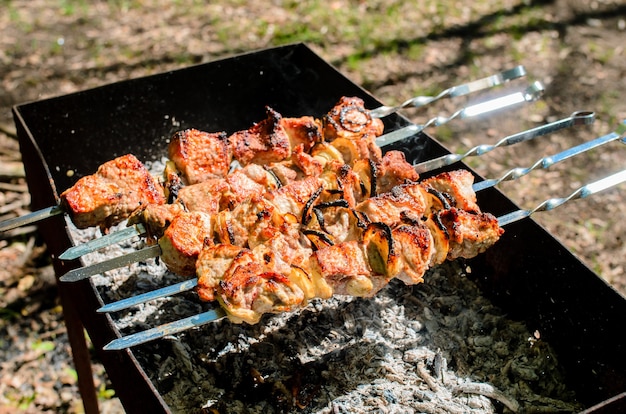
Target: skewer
(455, 91)
(531, 94)
(216, 314)
(552, 203)
(577, 118)
(104, 241)
(547, 162)
(30, 218)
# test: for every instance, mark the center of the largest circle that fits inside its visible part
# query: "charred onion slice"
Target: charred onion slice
(306, 211)
(326, 153)
(438, 201)
(348, 149)
(381, 254)
(367, 171)
(318, 239)
(441, 239)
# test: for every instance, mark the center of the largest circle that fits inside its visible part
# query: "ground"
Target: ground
(395, 49)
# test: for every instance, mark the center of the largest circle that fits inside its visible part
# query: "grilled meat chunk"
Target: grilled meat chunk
(263, 143)
(199, 155)
(394, 170)
(211, 266)
(456, 186)
(345, 268)
(205, 197)
(414, 249)
(118, 188)
(258, 282)
(156, 218)
(469, 233)
(303, 132)
(391, 207)
(244, 184)
(183, 240)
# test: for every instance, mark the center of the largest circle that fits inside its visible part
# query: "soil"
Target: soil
(575, 48)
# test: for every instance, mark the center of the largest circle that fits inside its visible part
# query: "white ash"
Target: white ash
(435, 347)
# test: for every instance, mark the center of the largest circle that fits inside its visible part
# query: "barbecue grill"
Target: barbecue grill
(528, 273)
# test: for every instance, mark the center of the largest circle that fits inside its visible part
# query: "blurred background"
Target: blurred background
(395, 49)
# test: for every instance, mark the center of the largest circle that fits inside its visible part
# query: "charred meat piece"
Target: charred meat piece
(205, 197)
(469, 233)
(199, 155)
(391, 207)
(414, 249)
(118, 188)
(156, 218)
(293, 198)
(456, 186)
(258, 282)
(245, 183)
(394, 170)
(303, 132)
(183, 240)
(263, 143)
(346, 269)
(211, 266)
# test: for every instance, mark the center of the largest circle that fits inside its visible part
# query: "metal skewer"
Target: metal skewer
(530, 94)
(30, 218)
(577, 118)
(552, 203)
(165, 330)
(101, 242)
(547, 162)
(459, 90)
(218, 313)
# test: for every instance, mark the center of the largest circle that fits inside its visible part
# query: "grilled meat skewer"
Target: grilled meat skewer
(218, 313)
(270, 258)
(352, 123)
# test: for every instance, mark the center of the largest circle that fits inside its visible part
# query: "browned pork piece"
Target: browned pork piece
(118, 188)
(183, 240)
(456, 186)
(469, 233)
(273, 139)
(200, 155)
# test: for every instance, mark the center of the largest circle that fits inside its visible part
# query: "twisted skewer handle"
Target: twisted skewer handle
(577, 118)
(552, 203)
(530, 94)
(547, 162)
(459, 90)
